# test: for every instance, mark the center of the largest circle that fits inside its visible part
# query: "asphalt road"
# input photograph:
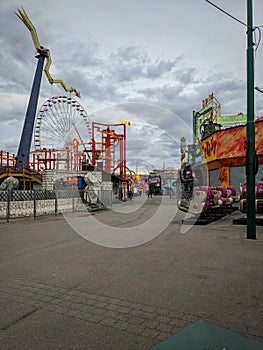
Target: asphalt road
(59, 290)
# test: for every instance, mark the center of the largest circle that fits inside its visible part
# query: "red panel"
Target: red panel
(230, 142)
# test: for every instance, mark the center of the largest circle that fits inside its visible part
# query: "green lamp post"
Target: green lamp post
(250, 129)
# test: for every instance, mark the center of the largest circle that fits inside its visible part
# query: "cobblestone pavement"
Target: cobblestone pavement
(60, 291)
(145, 320)
(151, 322)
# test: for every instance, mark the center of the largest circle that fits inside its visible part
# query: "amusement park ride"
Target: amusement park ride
(43, 54)
(106, 149)
(211, 179)
(198, 199)
(64, 137)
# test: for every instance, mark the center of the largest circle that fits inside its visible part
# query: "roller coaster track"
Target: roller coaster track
(22, 15)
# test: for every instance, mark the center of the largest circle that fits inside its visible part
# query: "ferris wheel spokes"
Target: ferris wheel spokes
(60, 120)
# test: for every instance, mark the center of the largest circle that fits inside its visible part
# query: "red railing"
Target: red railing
(7, 159)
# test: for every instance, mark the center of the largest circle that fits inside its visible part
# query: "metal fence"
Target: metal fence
(16, 203)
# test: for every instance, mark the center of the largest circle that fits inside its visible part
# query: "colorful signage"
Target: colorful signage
(232, 119)
(230, 143)
(209, 147)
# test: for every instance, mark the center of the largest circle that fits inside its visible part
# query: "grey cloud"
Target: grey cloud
(151, 151)
(162, 67)
(12, 87)
(127, 73)
(166, 92)
(16, 69)
(18, 62)
(80, 53)
(130, 54)
(132, 63)
(230, 91)
(13, 112)
(91, 88)
(17, 55)
(162, 115)
(154, 126)
(11, 143)
(185, 76)
(259, 104)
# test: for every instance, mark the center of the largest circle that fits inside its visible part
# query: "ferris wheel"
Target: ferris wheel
(59, 121)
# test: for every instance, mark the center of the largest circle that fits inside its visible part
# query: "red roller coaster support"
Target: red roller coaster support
(109, 146)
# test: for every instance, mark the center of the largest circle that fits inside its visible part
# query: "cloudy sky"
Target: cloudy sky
(149, 61)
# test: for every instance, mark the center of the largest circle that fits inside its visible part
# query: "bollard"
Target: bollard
(8, 205)
(35, 205)
(56, 205)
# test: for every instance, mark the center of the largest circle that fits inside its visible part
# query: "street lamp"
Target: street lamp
(250, 129)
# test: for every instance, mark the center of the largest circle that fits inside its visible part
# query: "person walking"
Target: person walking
(120, 192)
(130, 194)
(150, 192)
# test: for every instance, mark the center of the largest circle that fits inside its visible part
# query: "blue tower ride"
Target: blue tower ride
(22, 157)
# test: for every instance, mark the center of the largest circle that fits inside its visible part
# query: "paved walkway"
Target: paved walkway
(61, 291)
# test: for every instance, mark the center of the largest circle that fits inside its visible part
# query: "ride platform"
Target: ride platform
(209, 217)
(243, 221)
